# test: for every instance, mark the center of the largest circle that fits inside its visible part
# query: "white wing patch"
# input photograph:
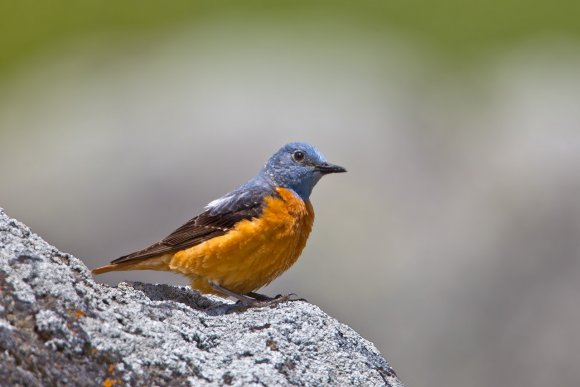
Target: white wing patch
(218, 202)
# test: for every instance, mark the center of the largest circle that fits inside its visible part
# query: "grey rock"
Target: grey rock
(59, 327)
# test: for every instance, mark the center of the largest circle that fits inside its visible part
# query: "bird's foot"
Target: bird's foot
(259, 296)
(262, 301)
(279, 297)
(253, 299)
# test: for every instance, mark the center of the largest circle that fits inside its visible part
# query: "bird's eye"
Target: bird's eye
(298, 156)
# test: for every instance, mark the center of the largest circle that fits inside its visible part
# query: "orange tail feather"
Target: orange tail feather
(160, 263)
(105, 269)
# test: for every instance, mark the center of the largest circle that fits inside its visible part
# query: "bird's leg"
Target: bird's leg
(244, 300)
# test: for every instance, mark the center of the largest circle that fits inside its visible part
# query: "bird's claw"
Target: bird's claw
(263, 302)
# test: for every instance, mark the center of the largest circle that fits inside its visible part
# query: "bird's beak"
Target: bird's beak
(329, 168)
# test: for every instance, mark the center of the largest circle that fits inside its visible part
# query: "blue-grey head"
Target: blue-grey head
(298, 166)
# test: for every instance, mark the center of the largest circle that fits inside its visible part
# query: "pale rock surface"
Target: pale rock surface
(58, 326)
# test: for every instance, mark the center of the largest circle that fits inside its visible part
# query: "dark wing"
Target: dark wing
(219, 217)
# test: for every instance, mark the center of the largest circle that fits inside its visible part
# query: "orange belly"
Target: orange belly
(254, 252)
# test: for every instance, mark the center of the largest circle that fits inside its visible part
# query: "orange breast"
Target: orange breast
(255, 251)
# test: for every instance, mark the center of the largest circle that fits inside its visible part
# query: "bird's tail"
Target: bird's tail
(106, 269)
(160, 263)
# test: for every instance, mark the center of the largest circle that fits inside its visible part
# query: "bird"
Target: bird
(246, 238)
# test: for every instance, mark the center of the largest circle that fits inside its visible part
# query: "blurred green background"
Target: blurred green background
(452, 243)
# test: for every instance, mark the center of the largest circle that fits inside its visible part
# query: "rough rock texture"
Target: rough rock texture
(57, 327)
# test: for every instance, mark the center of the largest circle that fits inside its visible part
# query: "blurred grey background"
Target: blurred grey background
(453, 243)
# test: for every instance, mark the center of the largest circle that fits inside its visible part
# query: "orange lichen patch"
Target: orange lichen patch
(255, 251)
(112, 368)
(108, 382)
(79, 314)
